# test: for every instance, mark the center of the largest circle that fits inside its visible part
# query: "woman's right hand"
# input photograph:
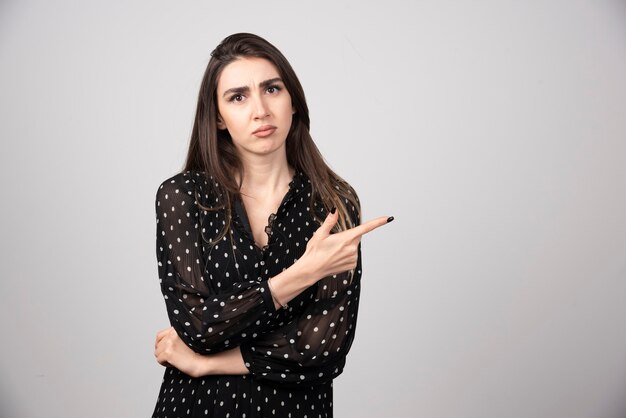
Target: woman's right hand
(325, 254)
(328, 254)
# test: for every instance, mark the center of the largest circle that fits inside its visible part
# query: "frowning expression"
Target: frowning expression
(254, 106)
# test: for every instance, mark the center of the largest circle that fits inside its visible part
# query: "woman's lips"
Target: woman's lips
(264, 131)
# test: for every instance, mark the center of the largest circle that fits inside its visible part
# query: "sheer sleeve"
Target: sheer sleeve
(206, 320)
(312, 347)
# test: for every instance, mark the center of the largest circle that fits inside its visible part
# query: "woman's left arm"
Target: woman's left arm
(170, 350)
(309, 349)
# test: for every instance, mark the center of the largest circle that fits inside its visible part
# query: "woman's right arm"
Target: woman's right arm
(207, 321)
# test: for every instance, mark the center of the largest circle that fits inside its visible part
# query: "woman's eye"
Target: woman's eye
(273, 89)
(236, 98)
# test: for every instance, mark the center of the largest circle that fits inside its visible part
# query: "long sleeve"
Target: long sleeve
(207, 318)
(313, 346)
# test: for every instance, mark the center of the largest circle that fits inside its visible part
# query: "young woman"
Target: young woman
(258, 248)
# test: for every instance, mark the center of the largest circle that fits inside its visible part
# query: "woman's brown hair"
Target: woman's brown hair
(212, 151)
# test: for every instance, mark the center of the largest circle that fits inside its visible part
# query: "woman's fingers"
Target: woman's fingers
(162, 360)
(329, 223)
(328, 254)
(160, 346)
(162, 334)
(171, 351)
(163, 344)
(356, 232)
(359, 231)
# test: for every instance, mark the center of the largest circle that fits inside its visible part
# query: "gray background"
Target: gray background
(494, 131)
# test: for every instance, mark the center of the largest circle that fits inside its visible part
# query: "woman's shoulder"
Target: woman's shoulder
(190, 182)
(187, 177)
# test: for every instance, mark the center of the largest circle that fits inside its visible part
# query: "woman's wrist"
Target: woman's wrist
(305, 271)
(204, 365)
(226, 362)
(291, 282)
(277, 303)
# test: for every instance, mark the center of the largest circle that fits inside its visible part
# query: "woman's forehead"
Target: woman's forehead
(246, 72)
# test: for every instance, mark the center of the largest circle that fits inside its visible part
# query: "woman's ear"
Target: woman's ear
(220, 122)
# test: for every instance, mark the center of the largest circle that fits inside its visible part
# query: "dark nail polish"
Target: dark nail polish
(389, 219)
(333, 210)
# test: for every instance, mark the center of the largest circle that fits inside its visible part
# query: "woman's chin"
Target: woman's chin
(264, 148)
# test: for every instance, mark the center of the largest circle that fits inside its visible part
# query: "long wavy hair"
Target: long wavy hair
(211, 150)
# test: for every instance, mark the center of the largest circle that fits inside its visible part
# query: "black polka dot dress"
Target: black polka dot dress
(217, 298)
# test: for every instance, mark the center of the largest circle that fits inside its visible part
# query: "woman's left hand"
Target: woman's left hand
(170, 350)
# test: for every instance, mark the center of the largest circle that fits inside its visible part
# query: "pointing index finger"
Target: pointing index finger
(370, 226)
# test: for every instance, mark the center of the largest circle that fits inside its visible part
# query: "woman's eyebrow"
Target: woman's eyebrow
(245, 89)
(270, 81)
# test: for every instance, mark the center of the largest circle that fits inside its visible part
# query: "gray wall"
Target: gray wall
(494, 131)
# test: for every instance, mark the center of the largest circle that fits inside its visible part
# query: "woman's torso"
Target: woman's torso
(233, 259)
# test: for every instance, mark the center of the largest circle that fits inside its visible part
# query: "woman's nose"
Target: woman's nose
(260, 110)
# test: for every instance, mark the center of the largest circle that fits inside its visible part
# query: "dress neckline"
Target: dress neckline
(240, 216)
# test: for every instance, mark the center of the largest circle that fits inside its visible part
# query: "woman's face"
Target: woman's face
(254, 106)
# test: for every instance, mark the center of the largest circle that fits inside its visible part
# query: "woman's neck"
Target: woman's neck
(266, 177)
